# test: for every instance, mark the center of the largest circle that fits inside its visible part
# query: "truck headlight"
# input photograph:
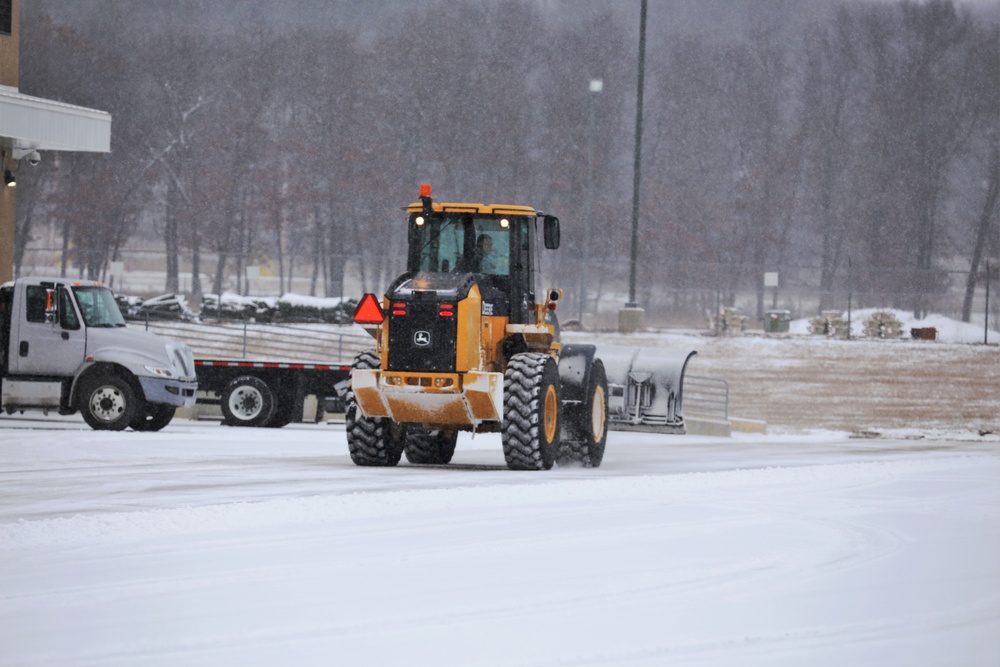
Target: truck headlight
(159, 371)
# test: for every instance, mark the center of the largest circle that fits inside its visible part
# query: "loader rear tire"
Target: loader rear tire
(585, 428)
(430, 447)
(372, 441)
(530, 411)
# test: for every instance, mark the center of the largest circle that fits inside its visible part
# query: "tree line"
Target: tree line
(864, 138)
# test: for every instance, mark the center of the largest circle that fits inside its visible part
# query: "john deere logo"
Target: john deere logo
(422, 338)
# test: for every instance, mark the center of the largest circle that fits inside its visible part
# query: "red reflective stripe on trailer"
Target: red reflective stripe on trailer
(275, 364)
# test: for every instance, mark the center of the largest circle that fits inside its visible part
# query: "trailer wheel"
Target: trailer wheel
(530, 411)
(108, 402)
(247, 401)
(153, 418)
(586, 423)
(372, 441)
(284, 414)
(428, 446)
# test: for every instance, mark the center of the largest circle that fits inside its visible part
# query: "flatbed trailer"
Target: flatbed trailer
(269, 393)
(263, 374)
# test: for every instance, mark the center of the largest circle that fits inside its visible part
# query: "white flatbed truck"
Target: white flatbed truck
(64, 347)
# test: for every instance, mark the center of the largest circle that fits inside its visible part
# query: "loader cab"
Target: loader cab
(494, 247)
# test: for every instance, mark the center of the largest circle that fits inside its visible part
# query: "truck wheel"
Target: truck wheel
(530, 411)
(372, 441)
(247, 401)
(153, 418)
(108, 403)
(428, 446)
(586, 423)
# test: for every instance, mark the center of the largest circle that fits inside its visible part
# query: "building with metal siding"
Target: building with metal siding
(30, 126)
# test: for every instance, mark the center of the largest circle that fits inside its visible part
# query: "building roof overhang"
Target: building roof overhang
(33, 123)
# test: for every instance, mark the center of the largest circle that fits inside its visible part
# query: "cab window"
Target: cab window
(67, 313)
(492, 247)
(98, 307)
(35, 300)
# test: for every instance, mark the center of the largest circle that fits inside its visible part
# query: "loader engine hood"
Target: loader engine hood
(423, 320)
(427, 286)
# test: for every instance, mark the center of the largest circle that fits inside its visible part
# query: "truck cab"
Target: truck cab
(64, 346)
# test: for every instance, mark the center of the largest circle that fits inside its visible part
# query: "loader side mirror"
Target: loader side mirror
(551, 232)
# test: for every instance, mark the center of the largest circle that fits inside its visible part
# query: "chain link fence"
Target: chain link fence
(673, 294)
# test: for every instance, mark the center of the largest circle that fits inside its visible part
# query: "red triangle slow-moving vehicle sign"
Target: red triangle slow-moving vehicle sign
(369, 311)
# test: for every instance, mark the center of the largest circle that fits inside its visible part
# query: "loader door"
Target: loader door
(523, 273)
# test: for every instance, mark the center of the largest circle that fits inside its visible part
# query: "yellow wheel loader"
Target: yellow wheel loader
(466, 341)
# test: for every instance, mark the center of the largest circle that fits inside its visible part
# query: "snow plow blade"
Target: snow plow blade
(645, 388)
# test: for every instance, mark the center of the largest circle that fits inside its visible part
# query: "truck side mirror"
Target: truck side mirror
(551, 232)
(51, 306)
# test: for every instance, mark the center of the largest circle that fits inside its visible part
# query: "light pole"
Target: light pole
(596, 86)
(630, 318)
(986, 311)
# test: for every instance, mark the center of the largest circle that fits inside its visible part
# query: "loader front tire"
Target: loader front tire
(585, 431)
(530, 432)
(429, 447)
(372, 441)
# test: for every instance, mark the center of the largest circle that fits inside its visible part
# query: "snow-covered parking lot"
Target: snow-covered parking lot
(206, 545)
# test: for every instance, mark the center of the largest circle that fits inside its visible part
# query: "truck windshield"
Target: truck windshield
(461, 243)
(98, 307)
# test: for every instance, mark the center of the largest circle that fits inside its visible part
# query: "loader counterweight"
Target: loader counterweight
(456, 400)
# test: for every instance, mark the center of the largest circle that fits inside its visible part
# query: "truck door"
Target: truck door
(48, 346)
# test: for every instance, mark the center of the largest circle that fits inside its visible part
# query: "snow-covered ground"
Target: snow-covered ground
(205, 545)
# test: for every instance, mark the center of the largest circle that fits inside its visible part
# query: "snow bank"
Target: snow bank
(948, 330)
(311, 301)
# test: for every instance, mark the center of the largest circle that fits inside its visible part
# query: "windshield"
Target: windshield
(462, 243)
(98, 307)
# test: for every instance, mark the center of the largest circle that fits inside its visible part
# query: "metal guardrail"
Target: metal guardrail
(706, 397)
(275, 342)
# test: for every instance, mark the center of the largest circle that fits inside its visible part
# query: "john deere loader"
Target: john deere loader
(467, 341)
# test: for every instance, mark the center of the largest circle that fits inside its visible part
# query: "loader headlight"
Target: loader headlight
(419, 221)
